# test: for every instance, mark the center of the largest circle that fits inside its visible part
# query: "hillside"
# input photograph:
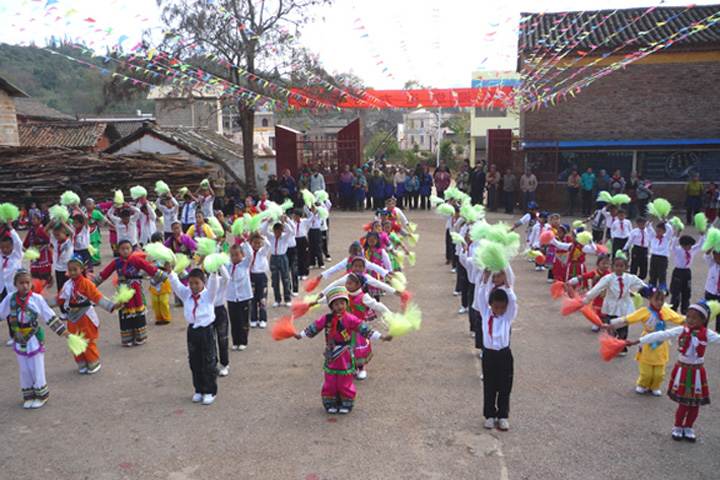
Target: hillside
(61, 83)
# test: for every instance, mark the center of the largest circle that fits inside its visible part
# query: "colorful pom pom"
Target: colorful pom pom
(206, 246)
(69, 198)
(214, 261)
(413, 239)
(183, 261)
(299, 308)
(323, 212)
(620, 199)
(413, 315)
(676, 223)
(712, 240)
(457, 238)
(436, 200)
(610, 346)
(216, 226)
(701, 222)
(283, 329)
(238, 227)
(137, 191)
(411, 258)
(604, 196)
(31, 254)
(77, 343)
(159, 253)
(287, 205)
(570, 305)
(491, 256)
(308, 198)
(123, 294)
(445, 209)
(557, 289)
(584, 238)
(591, 315)
(9, 212)
(637, 300)
(118, 198)
(659, 207)
(397, 324)
(311, 284)
(59, 213)
(161, 188)
(547, 237)
(321, 196)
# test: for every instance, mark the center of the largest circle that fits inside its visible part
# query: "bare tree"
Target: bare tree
(242, 33)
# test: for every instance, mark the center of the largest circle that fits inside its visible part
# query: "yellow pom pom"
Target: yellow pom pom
(31, 254)
(77, 343)
(123, 294)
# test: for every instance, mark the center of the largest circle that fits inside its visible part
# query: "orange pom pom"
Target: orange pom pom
(557, 289)
(139, 254)
(610, 346)
(312, 283)
(367, 226)
(283, 329)
(591, 315)
(39, 286)
(299, 309)
(547, 237)
(570, 305)
(115, 280)
(601, 249)
(405, 298)
(540, 260)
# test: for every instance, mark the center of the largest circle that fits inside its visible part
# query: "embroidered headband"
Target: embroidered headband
(702, 307)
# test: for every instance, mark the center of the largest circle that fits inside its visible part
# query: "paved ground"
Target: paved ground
(417, 416)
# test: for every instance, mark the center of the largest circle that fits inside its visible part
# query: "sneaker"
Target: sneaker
(242, 347)
(657, 393)
(550, 280)
(622, 354)
(9, 342)
(253, 324)
(538, 268)
(328, 259)
(262, 324)
(197, 397)
(472, 334)
(276, 304)
(294, 294)
(490, 423)
(335, 410)
(463, 310)
(208, 398)
(480, 354)
(503, 424)
(28, 404)
(37, 403)
(345, 411)
(288, 304)
(362, 374)
(322, 267)
(456, 294)
(689, 434)
(224, 371)
(641, 390)
(234, 347)
(83, 370)
(454, 270)
(94, 370)
(677, 433)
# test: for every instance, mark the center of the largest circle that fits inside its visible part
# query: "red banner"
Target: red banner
(499, 97)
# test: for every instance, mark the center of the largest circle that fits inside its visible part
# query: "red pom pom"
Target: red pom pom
(601, 249)
(283, 329)
(540, 260)
(591, 315)
(570, 305)
(299, 309)
(547, 237)
(39, 286)
(115, 280)
(610, 347)
(557, 289)
(312, 283)
(139, 254)
(367, 226)
(405, 298)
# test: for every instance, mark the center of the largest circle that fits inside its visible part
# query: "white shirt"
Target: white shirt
(401, 216)
(258, 259)
(301, 227)
(690, 356)
(323, 221)
(169, 215)
(222, 287)
(609, 218)
(206, 205)
(368, 279)
(147, 225)
(496, 328)
(620, 229)
(565, 247)
(638, 238)
(10, 264)
(61, 253)
(343, 265)
(199, 309)
(129, 231)
(481, 298)
(537, 230)
(681, 257)
(187, 214)
(713, 277)
(659, 246)
(238, 287)
(279, 245)
(469, 251)
(618, 299)
(81, 238)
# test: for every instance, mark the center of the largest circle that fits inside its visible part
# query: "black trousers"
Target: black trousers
(462, 284)
(292, 259)
(658, 270)
(639, 262)
(4, 294)
(259, 283)
(477, 325)
(202, 356)
(587, 200)
(425, 199)
(60, 279)
(618, 244)
(302, 256)
(710, 296)
(315, 246)
(449, 246)
(280, 271)
(498, 371)
(378, 202)
(221, 331)
(325, 236)
(509, 201)
(471, 296)
(239, 313)
(621, 333)
(597, 235)
(680, 289)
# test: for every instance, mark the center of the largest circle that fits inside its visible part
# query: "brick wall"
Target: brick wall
(641, 102)
(8, 120)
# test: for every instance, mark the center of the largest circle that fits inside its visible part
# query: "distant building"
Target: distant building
(89, 137)
(8, 115)
(125, 124)
(420, 128)
(188, 107)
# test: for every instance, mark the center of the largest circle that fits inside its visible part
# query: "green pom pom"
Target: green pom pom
(659, 208)
(397, 324)
(637, 300)
(584, 238)
(159, 253)
(397, 284)
(9, 212)
(205, 183)
(77, 343)
(206, 246)
(123, 294)
(321, 196)
(578, 223)
(712, 240)
(445, 209)
(323, 212)
(183, 261)
(701, 222)
(137, 191)
(491, 256)
(472, 213)
(183, 192)
(677, 223)
(620, 199)
(308, 197)
(287, 205)
(253, 224)
(237, 227)
(212, 263)
(161, 188)
(414, 315)
(451, 193)
(60, 213)
(411, 259)
(413, 239)
(69, 198)
(93, 251)
(457, 238)
(604, 196)
(436, 200)
(714, 309)
(118, 198)
(216, 226)
(31, 254)
(479, 230)
(400, 257)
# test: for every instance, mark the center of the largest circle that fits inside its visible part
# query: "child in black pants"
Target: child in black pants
(238, 295)
(639, 240)
(684, 251)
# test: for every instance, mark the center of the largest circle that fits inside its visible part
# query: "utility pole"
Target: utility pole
(439, 135)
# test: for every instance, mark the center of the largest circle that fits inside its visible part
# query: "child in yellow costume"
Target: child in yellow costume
(653, 357)
(160, 291)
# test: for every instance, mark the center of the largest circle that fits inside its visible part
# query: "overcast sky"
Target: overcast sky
(386, 42)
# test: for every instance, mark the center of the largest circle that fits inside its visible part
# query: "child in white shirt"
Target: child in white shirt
(238, 295)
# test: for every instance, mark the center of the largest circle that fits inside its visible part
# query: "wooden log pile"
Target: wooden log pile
(48, 173)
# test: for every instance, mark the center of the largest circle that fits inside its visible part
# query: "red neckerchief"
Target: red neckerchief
(622, 286)
(685, 340)
(659, 239)
(5, 262)
(334, 323)
(642, 240)
(276, 243)
(252, 264)
(657, 312)
(688, 257)
(195, 299)
(23, 306)
(490, 326)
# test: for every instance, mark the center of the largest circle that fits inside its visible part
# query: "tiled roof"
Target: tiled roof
(551, 29)
(11, 89)
(76, 135)
(31, 108)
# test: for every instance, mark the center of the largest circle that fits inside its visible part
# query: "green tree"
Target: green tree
(446, 152)
(381, 142)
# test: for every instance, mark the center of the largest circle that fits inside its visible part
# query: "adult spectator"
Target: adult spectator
(493, 185)
(644, 194)
(233, 192)
(477, 183)
(367, 173)
(602, 182)
(412, 190)
(346, 188)
(287, 182)
(617, 183)
(573, 187)
(426, 184)
(359, 190)
(693, 198)
(376, 189)
(317, 181)
(587, 184)
(399, 180)
(389, 179)
(528, 185)
(442, 180)
(462, 178)
(631, 189)
(272, 187)
(218, 184)
(508, 187)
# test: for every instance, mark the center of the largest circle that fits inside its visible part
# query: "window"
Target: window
(265, 122)
(422, 124)
(490, 112)
(422, 139)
